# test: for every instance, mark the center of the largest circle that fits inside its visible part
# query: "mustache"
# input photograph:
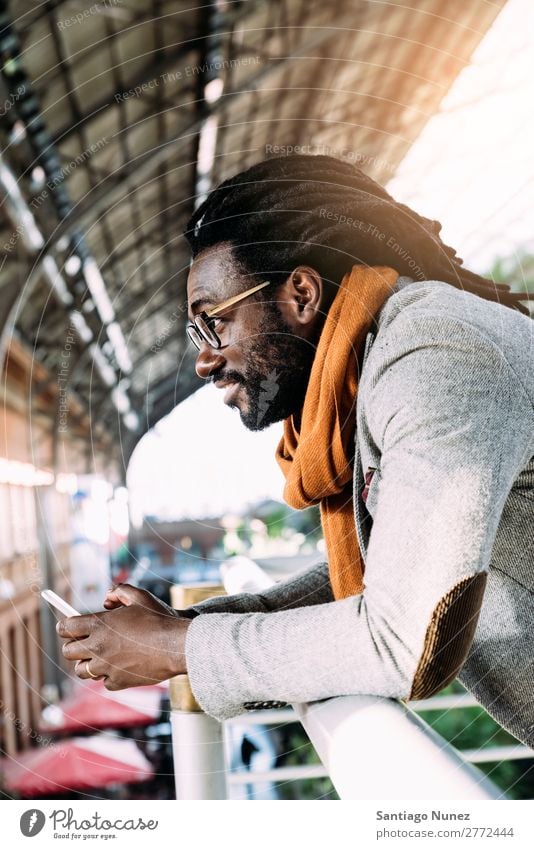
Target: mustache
(230, 376)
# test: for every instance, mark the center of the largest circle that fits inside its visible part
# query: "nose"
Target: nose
(208, 359)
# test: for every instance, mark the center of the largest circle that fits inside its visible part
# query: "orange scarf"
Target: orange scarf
(318, 460)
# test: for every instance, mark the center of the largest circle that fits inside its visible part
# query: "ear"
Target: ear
(304, 293)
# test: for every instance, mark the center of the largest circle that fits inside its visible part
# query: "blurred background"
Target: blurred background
(116, 120)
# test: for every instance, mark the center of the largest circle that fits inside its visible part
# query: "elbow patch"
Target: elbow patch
(449, 636)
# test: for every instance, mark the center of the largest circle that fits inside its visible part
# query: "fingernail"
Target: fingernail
(59, 626)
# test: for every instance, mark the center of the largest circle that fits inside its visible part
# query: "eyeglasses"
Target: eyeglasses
(201, 329)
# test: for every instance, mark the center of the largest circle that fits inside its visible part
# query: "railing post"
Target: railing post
(197, 746)
(197, 739)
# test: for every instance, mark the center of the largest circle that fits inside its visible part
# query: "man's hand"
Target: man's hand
(137, 640)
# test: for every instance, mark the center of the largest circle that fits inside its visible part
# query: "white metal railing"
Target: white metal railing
(459, 701)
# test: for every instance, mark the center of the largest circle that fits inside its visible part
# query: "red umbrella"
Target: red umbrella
(91, 707)
(82, 763)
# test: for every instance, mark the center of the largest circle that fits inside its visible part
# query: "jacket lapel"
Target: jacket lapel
(362, 519)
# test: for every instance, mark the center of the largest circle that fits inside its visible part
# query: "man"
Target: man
(406, 387)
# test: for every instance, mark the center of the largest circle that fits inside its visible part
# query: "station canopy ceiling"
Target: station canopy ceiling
(104, 110)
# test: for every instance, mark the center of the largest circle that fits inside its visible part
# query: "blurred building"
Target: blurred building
(167, 553)
(39, 471)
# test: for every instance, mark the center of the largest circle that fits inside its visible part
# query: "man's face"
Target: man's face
(266, 353)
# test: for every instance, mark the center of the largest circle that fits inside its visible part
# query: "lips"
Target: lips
(232, 388)
(231, 392)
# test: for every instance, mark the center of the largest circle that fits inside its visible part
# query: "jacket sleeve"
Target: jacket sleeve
(310, 585)
(454, 427)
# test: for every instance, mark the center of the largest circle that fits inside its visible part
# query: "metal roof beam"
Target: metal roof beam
(153, 70)
(105, 196)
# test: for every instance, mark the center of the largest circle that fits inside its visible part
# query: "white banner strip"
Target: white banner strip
(239, 825)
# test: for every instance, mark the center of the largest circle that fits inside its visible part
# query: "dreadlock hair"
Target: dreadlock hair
(328, 214)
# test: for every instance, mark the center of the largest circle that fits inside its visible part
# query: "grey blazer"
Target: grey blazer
(444, 511)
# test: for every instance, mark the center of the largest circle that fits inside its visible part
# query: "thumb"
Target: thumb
(123, 595)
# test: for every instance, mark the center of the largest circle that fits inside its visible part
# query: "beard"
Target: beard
(277, 373)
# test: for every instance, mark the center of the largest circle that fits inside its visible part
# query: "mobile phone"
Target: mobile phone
(59, 603)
